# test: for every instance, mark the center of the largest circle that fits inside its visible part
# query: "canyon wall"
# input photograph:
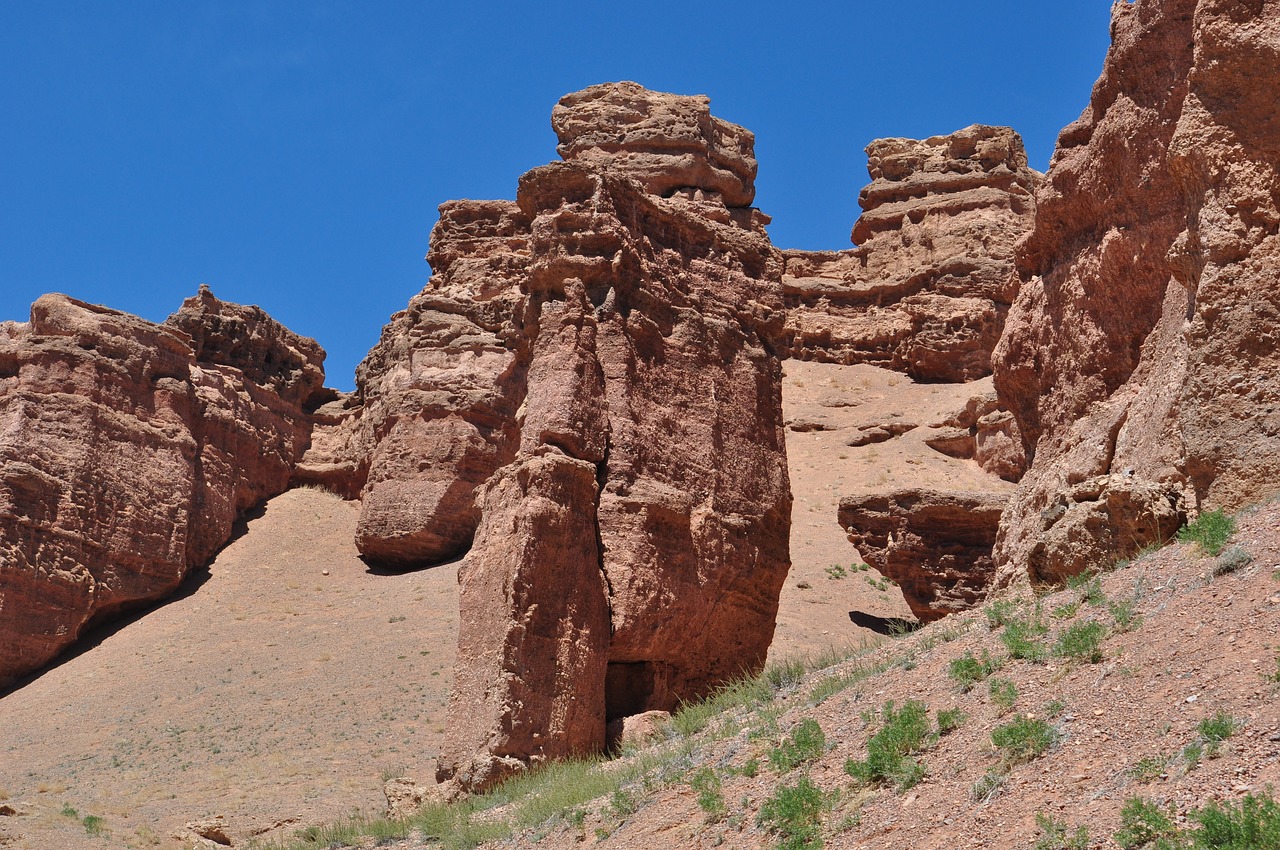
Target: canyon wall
(928, 287)
(1140, 356)
(128, 449)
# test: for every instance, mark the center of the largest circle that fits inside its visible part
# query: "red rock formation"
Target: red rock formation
(589, 386)
(127, 449)
(927, 289)
(935, 545)
(985, 433)
(1141, 347)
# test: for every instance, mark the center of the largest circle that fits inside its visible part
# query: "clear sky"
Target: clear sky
(293, 154)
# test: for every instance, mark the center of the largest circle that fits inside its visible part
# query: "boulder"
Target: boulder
(928, 287)
(935, 544)
(128, 449)
(1142, 342)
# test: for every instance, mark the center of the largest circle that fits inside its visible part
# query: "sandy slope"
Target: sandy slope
(273, 692)
(835, 401)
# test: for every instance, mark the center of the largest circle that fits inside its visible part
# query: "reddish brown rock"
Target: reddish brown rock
(668, 143)
(935, 545)
(1142, 341)
(588, 386)
(927, 289)
(127, 449)
(984, 432)
(439, 393)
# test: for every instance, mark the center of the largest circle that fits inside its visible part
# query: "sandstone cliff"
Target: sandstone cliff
(127, 449)
(587, 393)
(927, 289)
(1139, 357)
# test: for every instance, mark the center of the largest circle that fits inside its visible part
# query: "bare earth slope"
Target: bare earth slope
(274, 695)
(826, 405)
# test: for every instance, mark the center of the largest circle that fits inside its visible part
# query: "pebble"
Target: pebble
(324, 572)
(1192, 698)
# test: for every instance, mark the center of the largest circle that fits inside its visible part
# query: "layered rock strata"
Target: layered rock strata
(588, 394)
(935, 544)
(1141, 351)
(928, 287)
(127, 450)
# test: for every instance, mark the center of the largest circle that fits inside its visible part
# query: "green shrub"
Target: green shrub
(1218, 728)
(1210, 530)
(1065, 611)
(706, 783)
(1020, 637)
(1058, 836)
(1142, 823)
(1125, 615)
(1081, 641)
(782, 675)
(949, 720)
(1004, 693)
(835, 572)
(794, 814)
(1255, 823)
(967, 670)
(903, 732)
(805, 743)
(1150, 768)
(92, 824)
(1023, 739)
(1001, 612)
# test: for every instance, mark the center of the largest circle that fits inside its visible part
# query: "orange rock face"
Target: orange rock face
(1141, 348)
(127, 449)
(928, 287)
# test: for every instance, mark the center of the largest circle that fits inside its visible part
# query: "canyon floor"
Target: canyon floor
(289, 681)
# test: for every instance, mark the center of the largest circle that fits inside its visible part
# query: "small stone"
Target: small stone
(324, 572)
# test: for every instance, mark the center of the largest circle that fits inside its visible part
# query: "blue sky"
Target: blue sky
(292, 155)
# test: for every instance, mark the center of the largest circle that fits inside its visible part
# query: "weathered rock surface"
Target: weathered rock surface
(1143, 338)
(127, 450)
(588, 393)
(927, 289)
(669, 143)
(984, 432)
(935, 544)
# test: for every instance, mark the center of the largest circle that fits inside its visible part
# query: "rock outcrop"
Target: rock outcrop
(985, 433)
(1142, 348)
(928, 287)
(935, 544)
(588, 395)
(127, 450)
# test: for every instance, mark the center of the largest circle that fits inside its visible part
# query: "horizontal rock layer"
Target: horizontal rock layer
(927, 289)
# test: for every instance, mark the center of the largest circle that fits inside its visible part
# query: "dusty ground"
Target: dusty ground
(824, 406)
(276, 695)
(272, 693)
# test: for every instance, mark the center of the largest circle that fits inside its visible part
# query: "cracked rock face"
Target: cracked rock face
(589, 387)
(127, 450)
(928, 287)
(1143, 343)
